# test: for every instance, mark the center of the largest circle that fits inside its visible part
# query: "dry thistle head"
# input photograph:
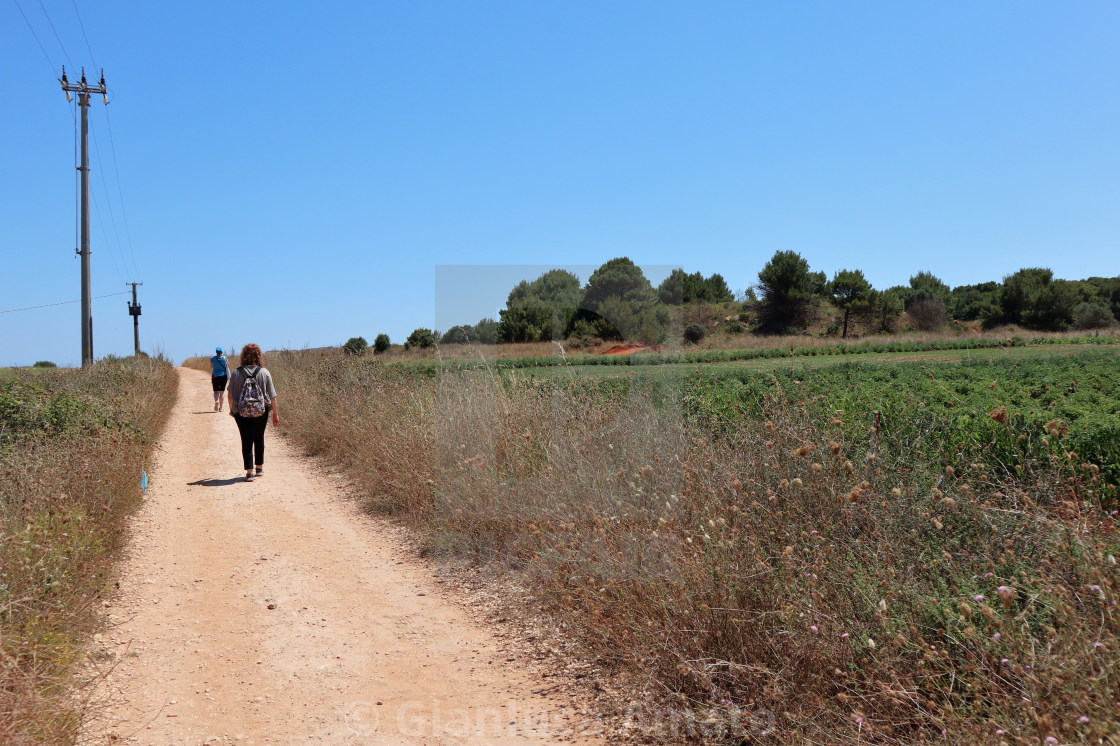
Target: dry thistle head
(1055, 427)
(999, 415)
(834, 446)
(1006, 595)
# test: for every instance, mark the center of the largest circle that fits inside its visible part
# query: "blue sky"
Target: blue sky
(294, 173)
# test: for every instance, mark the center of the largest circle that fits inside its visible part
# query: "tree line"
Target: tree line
(618, 302)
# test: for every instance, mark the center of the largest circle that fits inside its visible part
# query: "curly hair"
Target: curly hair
(251, 355)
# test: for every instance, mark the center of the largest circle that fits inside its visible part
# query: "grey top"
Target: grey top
(237, 381)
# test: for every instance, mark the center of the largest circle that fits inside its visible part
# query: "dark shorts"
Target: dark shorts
(219, 382)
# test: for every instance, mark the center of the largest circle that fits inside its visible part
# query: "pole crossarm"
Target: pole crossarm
(83, 87)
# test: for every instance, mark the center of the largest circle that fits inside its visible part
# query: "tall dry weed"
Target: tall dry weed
(771, 579)
(73, 444)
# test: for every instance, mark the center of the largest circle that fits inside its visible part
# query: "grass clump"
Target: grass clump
(72, 446)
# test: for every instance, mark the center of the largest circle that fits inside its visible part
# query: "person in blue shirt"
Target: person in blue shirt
(219, 378)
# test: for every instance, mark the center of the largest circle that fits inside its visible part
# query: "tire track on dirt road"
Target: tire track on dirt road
(276, 612)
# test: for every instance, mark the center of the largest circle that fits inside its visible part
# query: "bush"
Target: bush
(355, 346)
(456, 335)
(927, 314)
(1087, 316)
(693, 333)
(381, 343)
(421, 338)
(44, 364)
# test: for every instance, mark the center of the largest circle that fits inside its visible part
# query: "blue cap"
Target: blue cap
(217, 349)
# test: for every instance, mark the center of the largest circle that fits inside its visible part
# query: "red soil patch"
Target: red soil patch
(628, 348)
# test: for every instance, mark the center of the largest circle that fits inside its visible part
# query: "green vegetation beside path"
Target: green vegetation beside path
(73, 444)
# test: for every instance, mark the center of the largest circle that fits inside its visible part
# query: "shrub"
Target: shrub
(1087, 316)
(44, 364)
(420, 338)
(693, 333)
(456, 335)
(355, 346)
(381, 343)
(927, 314)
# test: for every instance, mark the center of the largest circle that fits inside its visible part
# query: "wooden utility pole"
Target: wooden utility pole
(84, 90)
(134, 312)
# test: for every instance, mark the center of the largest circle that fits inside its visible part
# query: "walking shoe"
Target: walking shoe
(215, 406)
(260, 472)
(248, 476)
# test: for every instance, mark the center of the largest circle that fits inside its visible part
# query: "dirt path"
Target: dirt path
(275, 612)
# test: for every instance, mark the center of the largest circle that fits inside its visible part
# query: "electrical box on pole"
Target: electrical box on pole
(84, 90)
(134, 312)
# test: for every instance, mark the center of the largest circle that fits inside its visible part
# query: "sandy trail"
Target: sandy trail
(275, 612)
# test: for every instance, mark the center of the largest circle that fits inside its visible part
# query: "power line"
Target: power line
(120, 193)
(105, 235)
(108, 204)
(82, 26)
(56, 36)
(54, 70)
(62, 303)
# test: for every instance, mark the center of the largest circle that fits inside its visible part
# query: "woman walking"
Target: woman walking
(219, 377)
(251, 397)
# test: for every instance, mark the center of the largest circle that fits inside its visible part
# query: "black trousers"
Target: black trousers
(252, 436)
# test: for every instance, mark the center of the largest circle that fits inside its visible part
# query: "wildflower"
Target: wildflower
(1098, 645)
(1050, 739)
(871, 643)
(844, 636)
(996, 636)
(1000, 731)
(815, 629)
(1095, 588)
(1084, 719)
(1005, 661)
(978, 598)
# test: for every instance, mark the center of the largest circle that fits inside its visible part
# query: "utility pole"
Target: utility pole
(134, 312)
(84, 90)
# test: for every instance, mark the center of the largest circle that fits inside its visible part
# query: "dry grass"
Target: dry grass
(72, 447)
(769, 580)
